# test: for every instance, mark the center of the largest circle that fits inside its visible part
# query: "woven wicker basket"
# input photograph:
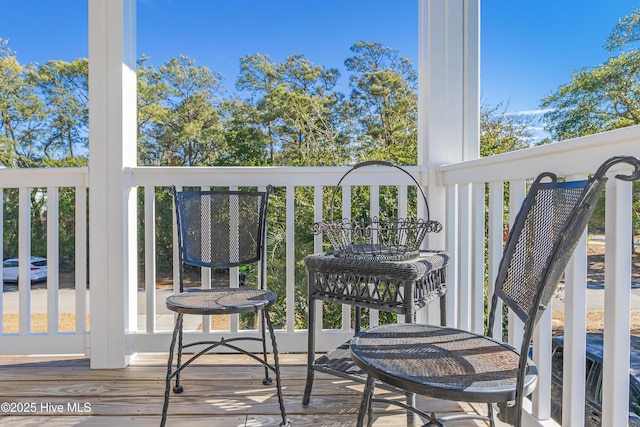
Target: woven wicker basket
(392, 239)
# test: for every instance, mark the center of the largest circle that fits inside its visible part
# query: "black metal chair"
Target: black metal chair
(458, 365)
(221, 229)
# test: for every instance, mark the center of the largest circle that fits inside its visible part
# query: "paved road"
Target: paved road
(595, 298)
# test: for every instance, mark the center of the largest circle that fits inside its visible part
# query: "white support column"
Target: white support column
(112, 203)
(448, 81)
(448, 95)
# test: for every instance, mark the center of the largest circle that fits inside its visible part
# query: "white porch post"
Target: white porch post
(112, 203)
(448, 105)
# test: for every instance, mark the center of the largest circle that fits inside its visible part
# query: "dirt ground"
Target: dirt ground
(595, 277)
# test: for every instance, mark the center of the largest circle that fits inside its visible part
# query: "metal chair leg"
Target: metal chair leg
(267, 378)
(165, 406)
(177, 389)
(276, 365)
(492, 422)
(306, 397)
(311, 346)
(366, 404)
(370, 408)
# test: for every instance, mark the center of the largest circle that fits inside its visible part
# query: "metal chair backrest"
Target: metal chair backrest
(544, 235)
(553, 217)
(530, 265)
(220, 229)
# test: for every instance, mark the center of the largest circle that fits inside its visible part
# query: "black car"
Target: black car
(593, 392)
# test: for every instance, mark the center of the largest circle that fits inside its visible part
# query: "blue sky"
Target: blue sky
(529, 48)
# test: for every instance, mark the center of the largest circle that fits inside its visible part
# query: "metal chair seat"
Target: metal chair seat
(220, 301)
(440, 362)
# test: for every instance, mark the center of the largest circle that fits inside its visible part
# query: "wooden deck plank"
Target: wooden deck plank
(220, 390)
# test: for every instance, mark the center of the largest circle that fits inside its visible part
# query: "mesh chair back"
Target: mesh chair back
(533, 242)
(220, 229)
(545, 233)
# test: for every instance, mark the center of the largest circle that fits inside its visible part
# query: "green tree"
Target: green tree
(298, 109)
(602, 98)
(179, 108)
(244, 142)
(501, 132)
(64, 89)
(384, 102)
(597, 100)
(21, 111)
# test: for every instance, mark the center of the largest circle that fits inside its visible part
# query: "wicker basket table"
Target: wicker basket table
(399, 287)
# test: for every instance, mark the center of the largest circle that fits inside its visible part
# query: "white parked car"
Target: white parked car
(37, 267)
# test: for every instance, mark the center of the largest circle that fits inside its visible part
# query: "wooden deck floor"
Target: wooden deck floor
(64, 391)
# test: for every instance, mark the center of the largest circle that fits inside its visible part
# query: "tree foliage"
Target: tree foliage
(179, 114)
(21, 110)
(501, 132)
(602, 98)
(384, 103)
(626, 32)
(63, 88)
(298, 109)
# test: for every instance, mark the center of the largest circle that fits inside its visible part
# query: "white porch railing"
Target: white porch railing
(464, 228)
(153, 335)
(47, 303)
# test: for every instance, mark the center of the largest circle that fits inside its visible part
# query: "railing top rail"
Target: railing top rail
(44, 177)
(565, 158)
(262, 175)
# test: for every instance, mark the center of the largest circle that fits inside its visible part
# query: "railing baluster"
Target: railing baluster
(234, 319)
(542, 358)
(617, 296)
(575, 307)
(205, 273)
(374, 210)
(150, 258)
(176, 259)
(24, 253)
(52, 259)
(496, 243)
(452, 245)
(290, 262)
(346, 213)
(477, 257)
(403, 212)
(517, 194)
(81, 260)
(317, 247)
(464, 264)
